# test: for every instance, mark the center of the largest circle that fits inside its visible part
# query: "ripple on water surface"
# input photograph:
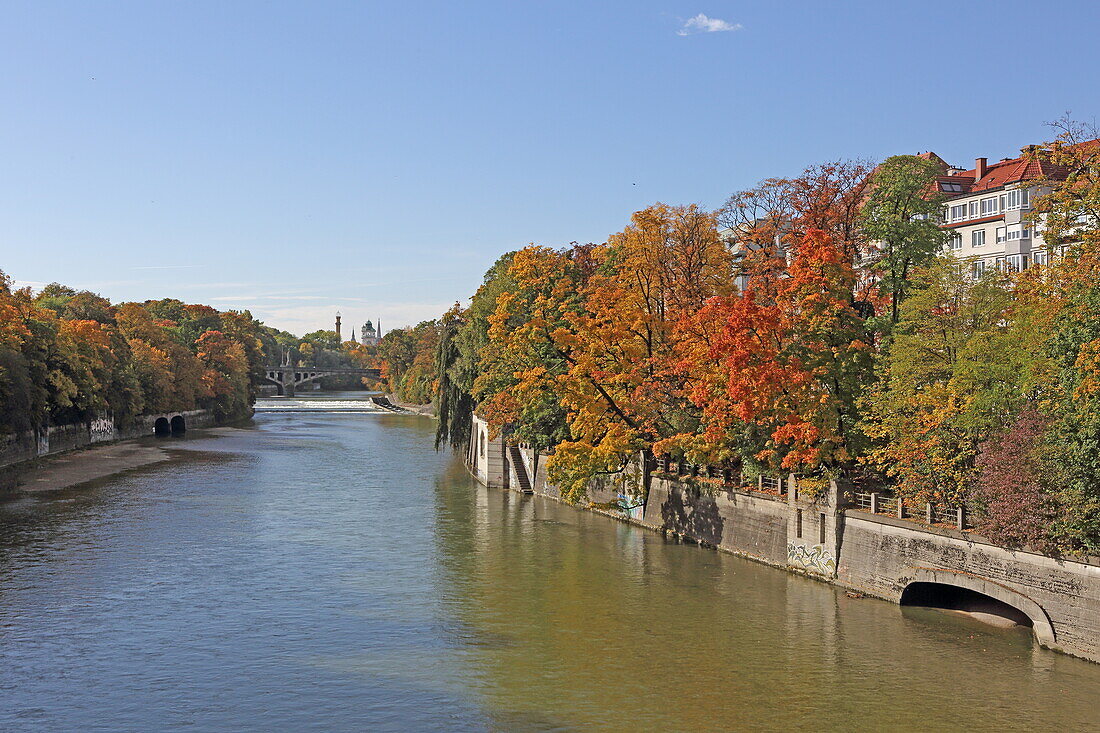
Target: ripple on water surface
(333, 572)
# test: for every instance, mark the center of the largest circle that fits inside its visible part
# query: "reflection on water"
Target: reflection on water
(332, 572)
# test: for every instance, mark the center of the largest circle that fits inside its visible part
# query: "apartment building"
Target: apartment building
(987, 207)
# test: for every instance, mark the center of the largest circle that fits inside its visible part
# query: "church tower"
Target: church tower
(369, 334)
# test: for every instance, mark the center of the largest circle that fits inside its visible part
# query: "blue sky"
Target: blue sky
(375, 158)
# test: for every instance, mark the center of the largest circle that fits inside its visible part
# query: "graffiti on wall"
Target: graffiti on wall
(811, 557)
(102, 428)
(631, 506)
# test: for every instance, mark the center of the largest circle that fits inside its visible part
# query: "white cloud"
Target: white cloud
(702, 24)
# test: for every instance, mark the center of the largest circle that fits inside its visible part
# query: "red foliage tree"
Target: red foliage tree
(1016, 508)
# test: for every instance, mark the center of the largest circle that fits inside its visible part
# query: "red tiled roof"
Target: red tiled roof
(1028, 167)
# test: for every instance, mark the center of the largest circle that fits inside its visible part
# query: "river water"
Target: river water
(326, 569)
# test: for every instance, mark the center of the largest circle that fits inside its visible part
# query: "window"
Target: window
(798, 523)
(977, 239)
(1039, 258)
(1004, 200)
(977, 268)
(956, 241)
(951, 187)
(1001, 234)
(1019, 198)
(973, 209)
(989, 206)
(1018, 231)
(821, 530)
(958, 212)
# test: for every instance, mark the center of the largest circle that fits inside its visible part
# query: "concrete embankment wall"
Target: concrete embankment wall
(60, 438)
(753, 526)
(820, 537)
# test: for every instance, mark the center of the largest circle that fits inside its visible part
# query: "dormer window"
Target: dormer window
(951, 187)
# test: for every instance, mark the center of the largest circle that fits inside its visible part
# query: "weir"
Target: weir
(822, 535)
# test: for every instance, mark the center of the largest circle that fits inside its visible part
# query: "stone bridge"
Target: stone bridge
(289, 378)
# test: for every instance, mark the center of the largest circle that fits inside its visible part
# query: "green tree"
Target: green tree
(944, 384)
(900, 219)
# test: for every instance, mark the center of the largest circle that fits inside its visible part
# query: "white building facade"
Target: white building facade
(986, 212)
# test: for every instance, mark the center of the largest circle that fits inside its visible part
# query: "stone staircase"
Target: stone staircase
(519, 470)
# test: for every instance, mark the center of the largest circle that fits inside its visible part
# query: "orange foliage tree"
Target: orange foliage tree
(792, 357)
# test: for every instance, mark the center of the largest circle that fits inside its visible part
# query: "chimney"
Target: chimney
(980, 169)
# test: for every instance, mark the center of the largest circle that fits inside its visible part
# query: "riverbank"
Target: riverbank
(821, 535)
(61, 457)
(76, 467)
(103, 460)
(425, 410)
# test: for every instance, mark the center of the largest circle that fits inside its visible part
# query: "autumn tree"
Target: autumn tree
(408, 358)
(829, 197)
(522, 361)
(1013, 501)
(933, 403)
(225, 374)
(581, 352)
(793, 358)
(1069, 214)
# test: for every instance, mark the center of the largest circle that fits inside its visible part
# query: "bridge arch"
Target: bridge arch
(931, 581)
(162, 426)
(178, 425)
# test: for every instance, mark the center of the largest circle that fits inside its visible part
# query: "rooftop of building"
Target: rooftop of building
(1033, 164)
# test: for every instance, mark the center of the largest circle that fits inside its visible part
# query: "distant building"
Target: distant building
(338, 337)
(371, 335)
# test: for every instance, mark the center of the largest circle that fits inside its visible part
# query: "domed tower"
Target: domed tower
(338, 336)
(369, 334)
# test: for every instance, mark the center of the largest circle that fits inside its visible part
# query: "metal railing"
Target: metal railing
(730, 477)
(771, 483)
(929, 513)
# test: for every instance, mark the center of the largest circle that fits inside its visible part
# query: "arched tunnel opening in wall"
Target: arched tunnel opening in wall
(179, 425)
(162, 427)
(954, 598)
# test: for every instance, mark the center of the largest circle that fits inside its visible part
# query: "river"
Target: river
(326, 569)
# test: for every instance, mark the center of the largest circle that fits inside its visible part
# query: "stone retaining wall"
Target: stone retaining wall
(60, 438)
(880, 556)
